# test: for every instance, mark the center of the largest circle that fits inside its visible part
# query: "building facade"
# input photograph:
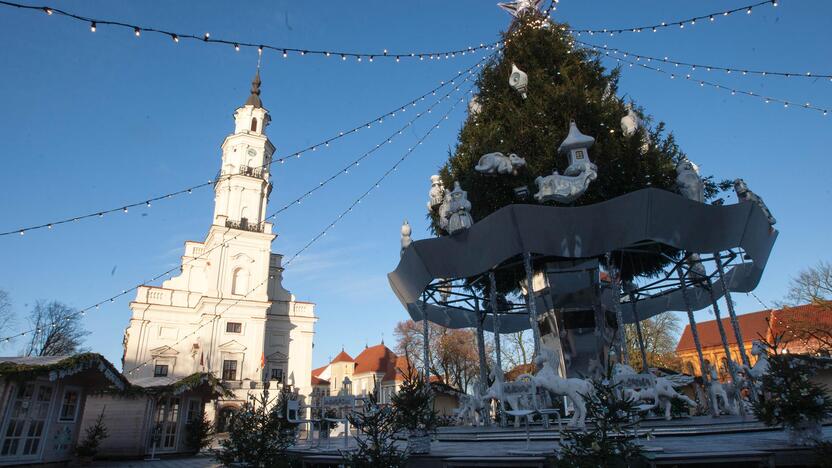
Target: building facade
(804, 329)
(227, 312)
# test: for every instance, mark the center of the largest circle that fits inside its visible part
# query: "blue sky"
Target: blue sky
(96, 120)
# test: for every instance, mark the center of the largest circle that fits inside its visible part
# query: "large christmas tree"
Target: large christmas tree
(565, 83)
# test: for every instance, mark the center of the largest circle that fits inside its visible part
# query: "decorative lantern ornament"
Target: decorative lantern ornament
(573, 183)
(519, 80)
(577, 146)
(406, 240)
(437, 192)
(474, 106)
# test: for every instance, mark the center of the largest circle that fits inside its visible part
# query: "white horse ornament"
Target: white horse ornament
(761, 367)
(576, 390)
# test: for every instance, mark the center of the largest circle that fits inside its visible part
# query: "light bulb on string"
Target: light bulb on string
(92, 26)
(206, 37)
(137, 32)
(47, 10)
(175, 38)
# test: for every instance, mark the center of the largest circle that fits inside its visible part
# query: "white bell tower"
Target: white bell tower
(242, 188)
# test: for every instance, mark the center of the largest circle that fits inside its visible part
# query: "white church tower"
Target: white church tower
(227, 312)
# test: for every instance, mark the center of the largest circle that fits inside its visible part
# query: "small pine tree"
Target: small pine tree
(788, 395)
(377, 446)
(413, 403)
(608, 442)
(198, 434)
(95, 434)
(258, 436)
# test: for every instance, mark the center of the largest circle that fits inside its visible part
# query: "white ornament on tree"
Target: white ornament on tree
(517, 7)
(744, 194)
(406, 240)
(458, 210)
(688, 180)
(474, 106)
(437, 192)
(519, 80)
(631, 122)
(498, 163)
(577, 177)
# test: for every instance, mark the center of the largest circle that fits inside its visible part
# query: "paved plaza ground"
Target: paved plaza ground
(756, 447)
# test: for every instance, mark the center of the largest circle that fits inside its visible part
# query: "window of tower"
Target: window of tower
(254, 124)
(239, 283)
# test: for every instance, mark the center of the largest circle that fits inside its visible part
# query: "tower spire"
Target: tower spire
(254, 97)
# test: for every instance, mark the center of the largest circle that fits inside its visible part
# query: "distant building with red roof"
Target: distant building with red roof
(799, 326)
(375, 368)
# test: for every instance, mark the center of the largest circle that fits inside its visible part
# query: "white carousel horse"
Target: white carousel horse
(661, 393)
(576, 390)
(760, 368)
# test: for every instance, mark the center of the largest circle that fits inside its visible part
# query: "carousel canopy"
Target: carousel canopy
(649, 215)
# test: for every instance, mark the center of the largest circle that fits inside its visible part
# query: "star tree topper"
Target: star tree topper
(517, 7)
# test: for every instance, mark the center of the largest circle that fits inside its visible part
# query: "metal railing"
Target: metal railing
(244, 225)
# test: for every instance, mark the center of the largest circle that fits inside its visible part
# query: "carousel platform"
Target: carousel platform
(697, 441)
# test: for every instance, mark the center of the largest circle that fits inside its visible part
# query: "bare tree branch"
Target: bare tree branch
(58, 330)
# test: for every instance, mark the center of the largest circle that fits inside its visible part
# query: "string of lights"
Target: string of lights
(734, 91)
(708, 17)
(365, 194)
(137, 30)
(708, 68)
(377, 183)
(296, 155)
(294, 202)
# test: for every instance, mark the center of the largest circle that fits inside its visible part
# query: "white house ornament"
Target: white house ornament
(498, 163)
(518, 7)
(744, 194)
(437, 192)
(406, 240)
(567, 187)
(474, 106)
(519, 80)
(688, 180)
(459, 210)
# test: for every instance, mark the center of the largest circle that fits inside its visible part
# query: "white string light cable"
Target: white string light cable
(375, 185)
(147, 202)
(708, 68)
(296, 201)
(176, 37)
(706, 18)
(734, 91)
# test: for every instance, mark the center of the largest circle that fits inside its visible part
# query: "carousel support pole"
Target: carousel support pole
(734, 322)
(695, 333)
(481, 354)
(530, 301)
(499, 357)
(645, 368)
(732, 369)
(425, 340)
(615, 284)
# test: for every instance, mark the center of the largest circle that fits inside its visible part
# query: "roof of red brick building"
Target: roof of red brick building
(755, 325)
(752, 325)
(319, 381)
(378, 358)
(342, 357)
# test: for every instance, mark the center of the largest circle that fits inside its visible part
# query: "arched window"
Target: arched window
(254, 124)
(239, 283)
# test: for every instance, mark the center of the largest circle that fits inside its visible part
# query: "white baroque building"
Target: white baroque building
(227, 312)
